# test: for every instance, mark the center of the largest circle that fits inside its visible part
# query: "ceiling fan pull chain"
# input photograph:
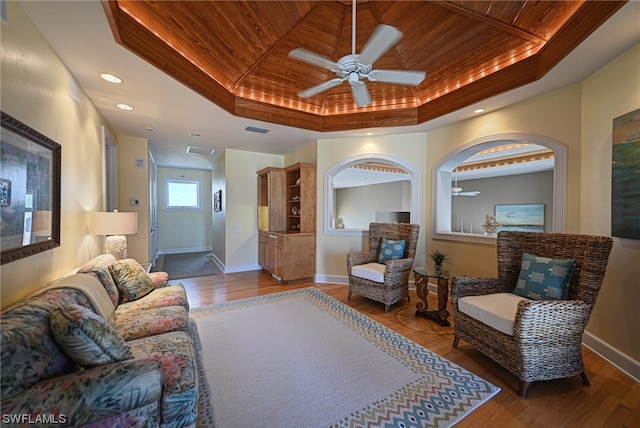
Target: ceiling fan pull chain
(353, 29)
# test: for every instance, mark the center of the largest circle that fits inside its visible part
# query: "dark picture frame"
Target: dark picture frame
(30, 180)
(217, 201)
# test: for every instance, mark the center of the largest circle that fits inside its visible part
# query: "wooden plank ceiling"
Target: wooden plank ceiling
(235, 53)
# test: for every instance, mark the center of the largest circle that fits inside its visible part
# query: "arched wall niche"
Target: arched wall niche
(442, 176)
(329, 191)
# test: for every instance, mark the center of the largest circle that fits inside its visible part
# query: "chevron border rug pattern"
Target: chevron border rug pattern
(440, 394)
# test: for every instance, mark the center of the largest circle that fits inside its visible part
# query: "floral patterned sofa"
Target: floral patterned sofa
(109, 346)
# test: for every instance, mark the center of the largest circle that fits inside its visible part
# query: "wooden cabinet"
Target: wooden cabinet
(301, 198)
(271, 199)
(287, 256)
(287, 221)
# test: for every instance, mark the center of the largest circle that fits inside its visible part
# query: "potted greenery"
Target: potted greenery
(439, 258)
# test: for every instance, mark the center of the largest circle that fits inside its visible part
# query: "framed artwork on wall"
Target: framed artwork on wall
(217, 201)
(520, 217)
(625, 176)
(30, 177)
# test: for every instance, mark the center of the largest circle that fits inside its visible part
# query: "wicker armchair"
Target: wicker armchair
(547, 334)
(395, 284)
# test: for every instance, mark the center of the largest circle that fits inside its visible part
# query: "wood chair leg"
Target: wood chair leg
(456, 341)
(386, 308)
(524, 388)
(349, 297)
(585, 379)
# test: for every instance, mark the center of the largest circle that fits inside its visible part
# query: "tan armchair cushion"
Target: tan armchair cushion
(495, 310)
(371, 271)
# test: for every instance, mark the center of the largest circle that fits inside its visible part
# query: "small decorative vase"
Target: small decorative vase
(437, 268)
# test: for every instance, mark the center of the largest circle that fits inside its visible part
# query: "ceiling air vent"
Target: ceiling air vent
(256, 129)
(199, 151)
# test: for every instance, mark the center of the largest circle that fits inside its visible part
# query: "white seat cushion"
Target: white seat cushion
(370, 271)
(496, 310)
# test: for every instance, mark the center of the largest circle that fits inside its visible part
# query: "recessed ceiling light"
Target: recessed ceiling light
(478, 111)
(150, 128)
(111, 78)
(124, 107)
(369, 133)
(193, 134)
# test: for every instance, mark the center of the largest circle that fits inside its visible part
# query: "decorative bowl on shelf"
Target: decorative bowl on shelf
(298, 181)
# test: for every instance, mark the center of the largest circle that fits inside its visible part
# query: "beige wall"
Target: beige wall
(240, 207)
(612, 92)
(35, 86)
(133, 183)
(185, 231)
(218, 225)
(554, 115)
(349, 202)
(332, 249)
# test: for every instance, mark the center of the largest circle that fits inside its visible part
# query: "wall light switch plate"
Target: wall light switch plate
(134, 202)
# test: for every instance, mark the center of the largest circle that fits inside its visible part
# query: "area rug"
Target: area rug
(303, 359)
(188, 265)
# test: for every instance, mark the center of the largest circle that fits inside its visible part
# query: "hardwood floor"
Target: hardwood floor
(612, 400)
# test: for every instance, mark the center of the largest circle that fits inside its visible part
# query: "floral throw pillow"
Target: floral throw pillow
(86, 337)
(543, 278)
(391, 249)
(131, 279)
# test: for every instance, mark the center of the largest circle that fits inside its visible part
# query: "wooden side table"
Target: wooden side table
(421, 277)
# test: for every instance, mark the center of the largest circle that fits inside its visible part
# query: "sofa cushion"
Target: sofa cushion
(544, 278)
(179, 377)
(132, 324)
(495, 310)
(171, 295)
(391, 249)
(371, 271)
(86, 337)
(99, 267)
(131, 279)
(29, 351)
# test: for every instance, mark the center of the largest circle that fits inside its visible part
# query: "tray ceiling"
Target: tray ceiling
(235, 53)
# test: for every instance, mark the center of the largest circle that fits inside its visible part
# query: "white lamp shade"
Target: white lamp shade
(114, 223)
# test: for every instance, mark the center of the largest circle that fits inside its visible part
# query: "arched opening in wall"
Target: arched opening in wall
(497, 173)
(366, 188)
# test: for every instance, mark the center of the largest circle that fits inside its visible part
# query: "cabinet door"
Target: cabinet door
(271, 254)
(280, 260)
(263, 241)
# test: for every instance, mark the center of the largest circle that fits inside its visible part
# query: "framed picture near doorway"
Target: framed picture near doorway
(217, 201)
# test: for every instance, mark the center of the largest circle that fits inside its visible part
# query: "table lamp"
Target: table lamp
(114, 225)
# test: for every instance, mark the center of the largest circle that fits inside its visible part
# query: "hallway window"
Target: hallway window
(181, 194)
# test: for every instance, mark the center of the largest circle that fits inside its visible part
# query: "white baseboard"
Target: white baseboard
(184, 250)
(619, 359)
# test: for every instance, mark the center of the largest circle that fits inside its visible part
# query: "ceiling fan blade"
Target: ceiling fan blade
(397, 76)
(361, 94)
(470, 193)
(383, 38)
(312, 58)
(314, 90)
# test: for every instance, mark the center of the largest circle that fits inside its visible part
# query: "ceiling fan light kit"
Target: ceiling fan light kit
(354, 68)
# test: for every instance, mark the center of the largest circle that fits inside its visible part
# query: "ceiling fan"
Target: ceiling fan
(457, 191)
(353, 68)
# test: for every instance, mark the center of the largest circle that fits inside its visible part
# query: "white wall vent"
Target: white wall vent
(199, 151)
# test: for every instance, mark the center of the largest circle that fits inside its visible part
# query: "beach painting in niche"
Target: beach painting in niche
(625, 176)
(522, 218)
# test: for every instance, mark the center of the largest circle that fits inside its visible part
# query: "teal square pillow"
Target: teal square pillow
(542, 278)
(391, 249)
